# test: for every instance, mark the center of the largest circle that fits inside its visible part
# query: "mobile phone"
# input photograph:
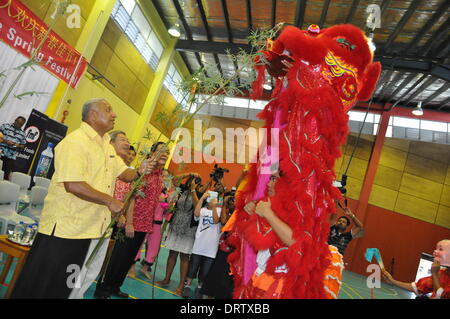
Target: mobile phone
(211, 196)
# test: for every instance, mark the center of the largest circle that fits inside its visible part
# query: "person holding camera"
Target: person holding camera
(219, 283)
(181, 234)
(338, 236)
(206, 241)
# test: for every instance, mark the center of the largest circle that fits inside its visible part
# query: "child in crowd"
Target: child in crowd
(438, 284)
(152, 240)
(206, 242)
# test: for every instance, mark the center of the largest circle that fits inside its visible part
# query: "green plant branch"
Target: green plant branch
(199, 83)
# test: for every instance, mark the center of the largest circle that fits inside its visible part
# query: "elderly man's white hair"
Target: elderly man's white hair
(88, 105)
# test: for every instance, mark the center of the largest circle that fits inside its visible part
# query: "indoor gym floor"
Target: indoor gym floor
(353, 286)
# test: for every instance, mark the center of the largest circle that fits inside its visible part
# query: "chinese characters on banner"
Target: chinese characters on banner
(23, 31)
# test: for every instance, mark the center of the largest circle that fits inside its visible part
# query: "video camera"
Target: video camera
(217, 173)
(341, 184)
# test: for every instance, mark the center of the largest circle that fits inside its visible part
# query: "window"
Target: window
(172, 81)
(258, 104)
(406, 122)
(433, 126)
(236, 102)
(134, 24)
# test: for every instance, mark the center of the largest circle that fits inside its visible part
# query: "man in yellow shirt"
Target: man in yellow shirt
(79, 205)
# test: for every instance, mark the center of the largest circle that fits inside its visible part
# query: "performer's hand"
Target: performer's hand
(205, 195)
(250, 207)
(435, 267)
(387, 276)
(147, 166)
(115, 207)
(263, 208)
(287, 65)
(195, 175)
(348, 212)
(193, 185)
(129, 230)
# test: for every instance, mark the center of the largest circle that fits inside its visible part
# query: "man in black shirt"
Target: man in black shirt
(339, 237)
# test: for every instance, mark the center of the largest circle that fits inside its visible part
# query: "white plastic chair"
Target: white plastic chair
(37, 197)
(41, 181)
(23, 180)
(1, 164)
(2, 175)
(9, 196)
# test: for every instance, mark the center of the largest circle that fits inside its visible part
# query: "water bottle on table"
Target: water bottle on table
(18, 231)
(28, 234)
(45, 160)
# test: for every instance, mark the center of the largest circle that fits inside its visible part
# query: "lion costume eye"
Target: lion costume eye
(345, 43)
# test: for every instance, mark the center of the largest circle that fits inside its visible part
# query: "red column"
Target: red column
(370, 175)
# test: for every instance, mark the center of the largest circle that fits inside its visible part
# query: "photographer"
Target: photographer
(180, 237)
(219, 284)
(338, 236)
(206, 241)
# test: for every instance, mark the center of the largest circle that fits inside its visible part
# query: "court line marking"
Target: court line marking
(130, 296)
(361, 297)
(149, 284)
(342, 288)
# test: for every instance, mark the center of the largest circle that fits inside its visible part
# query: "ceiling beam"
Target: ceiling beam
(438, 92)
(385, 84)
(420, 89)
(274, 12)
(249, 16)
(408, 79)
(229, 34)
(390, 87)
(420, 79)
(352, 11)
(300, 13)
(187, 30)
(409, 64)
(384, 6)
(208, 34)
(323, 16)
(444, 103)
(186, 62)
(441, 50)
(416, 65)
(227, 20)
(430, 23)
(211, 47)
(411, 10)
(443, 30)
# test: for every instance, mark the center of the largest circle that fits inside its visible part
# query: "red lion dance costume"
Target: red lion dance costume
(332, 69)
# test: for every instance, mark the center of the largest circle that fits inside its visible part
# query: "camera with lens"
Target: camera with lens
(341, 184)
(198, 180)
(230, 199)
(217, 173)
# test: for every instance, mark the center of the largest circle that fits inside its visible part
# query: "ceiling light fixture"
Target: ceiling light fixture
(268, 84)
(175, 30)
(418, 111)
